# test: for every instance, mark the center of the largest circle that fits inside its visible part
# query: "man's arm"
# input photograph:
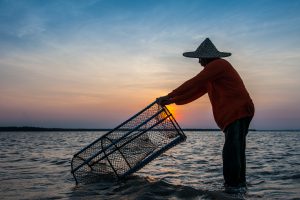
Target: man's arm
(186, 97)
(211, 72)
(190, 95)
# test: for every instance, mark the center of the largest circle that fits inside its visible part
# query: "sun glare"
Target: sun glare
(172, 109)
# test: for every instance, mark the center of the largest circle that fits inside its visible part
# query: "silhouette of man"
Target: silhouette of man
(232, 106)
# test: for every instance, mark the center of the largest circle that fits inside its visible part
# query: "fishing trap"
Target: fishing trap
(128, 147)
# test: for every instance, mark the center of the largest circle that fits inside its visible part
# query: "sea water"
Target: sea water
(36, 165)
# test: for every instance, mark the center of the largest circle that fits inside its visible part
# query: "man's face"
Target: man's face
(203, 62)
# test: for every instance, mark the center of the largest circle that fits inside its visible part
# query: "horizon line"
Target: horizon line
(33, 128)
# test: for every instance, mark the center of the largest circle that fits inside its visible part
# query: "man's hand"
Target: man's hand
(164, 100)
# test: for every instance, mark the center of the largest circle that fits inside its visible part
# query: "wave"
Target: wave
(144, 188)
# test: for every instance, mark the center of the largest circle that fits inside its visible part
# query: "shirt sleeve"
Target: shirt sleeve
(211, 72)
(190, 95)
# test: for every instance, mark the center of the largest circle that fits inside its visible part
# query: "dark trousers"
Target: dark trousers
(234, 158)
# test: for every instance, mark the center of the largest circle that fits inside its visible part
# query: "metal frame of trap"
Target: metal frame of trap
(167, 115)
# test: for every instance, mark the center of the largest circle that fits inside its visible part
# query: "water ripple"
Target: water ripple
(36, 165)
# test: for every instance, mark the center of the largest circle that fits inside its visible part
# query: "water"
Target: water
(36, 165)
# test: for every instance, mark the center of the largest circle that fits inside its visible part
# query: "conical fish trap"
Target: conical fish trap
(128, 147)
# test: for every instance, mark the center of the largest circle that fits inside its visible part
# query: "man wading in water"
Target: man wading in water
(232, 106)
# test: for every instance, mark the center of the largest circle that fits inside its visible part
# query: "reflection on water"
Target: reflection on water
(36, 165)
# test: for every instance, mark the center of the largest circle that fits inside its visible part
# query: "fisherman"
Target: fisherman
(232, 106)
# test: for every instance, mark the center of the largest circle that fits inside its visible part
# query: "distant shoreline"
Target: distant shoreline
(27, 128)
(42, 129)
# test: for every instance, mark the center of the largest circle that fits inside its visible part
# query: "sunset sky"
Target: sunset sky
(93, 64)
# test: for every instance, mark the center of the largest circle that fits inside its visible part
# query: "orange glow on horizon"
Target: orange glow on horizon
(173, 110)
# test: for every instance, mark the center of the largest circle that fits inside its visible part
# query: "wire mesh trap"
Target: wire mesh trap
(128, 147)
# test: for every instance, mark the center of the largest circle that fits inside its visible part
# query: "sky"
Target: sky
(95, 63)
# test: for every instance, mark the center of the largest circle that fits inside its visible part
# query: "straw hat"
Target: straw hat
(206, 50)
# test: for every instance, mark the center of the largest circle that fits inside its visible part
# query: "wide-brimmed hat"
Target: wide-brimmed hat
(206, 50)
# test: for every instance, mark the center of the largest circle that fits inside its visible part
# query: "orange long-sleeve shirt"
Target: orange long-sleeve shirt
(226, 90)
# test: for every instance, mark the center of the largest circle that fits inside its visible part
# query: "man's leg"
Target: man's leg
(245, 127)
(234, 160)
